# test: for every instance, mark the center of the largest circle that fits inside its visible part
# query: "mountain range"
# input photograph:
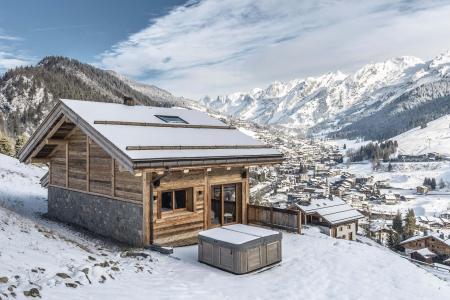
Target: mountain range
(378, 101)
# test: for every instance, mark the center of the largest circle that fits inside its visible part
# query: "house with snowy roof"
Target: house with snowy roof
(144, 175)
(332, 215)
(423, 255)
(433, 243)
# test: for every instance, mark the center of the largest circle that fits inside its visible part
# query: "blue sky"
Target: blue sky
(214, 47)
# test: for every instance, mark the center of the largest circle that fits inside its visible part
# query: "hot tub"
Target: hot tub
(239, 248)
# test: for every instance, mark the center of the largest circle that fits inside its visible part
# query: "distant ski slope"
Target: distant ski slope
(434, 138)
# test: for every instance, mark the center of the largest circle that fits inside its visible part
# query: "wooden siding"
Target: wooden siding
(172, 227)
(127, 185)
(77, 160)
(86, 167)
(58, 167)
(100, 169)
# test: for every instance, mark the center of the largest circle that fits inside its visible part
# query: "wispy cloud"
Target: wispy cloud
(62, 27)
(10, 57)
(9, 38)
(214, 46)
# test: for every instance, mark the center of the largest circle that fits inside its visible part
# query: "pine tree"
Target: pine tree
(393, 240)
(410, 224)
(390, 167)
(20, 141)
(344, 147)
(433, 183)
(397, 224)
(441, 184)
(6, 145)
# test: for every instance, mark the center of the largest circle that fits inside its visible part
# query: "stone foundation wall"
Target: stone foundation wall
(117, 219)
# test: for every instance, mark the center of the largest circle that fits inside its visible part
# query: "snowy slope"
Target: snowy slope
(34, 250)
(334, 100)
(433, 138)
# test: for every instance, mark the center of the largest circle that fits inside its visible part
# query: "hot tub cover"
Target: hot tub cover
(239, 235)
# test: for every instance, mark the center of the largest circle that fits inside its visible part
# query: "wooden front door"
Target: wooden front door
(224, 203)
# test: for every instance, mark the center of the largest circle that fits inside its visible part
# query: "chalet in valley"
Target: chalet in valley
(333, 216)
(144, 175)
(421, 245)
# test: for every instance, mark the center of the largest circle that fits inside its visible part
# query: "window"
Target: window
(171, 119)
(349, 226)
(175, 200)
(166, 201)
(340, 228)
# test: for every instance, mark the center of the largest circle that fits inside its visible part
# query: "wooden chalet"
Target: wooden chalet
(106, 160)
(333, 216)
(433, 243)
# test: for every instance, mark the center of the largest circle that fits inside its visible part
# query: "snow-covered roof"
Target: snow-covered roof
(425, 252)
(141, 135)
(334, 211)
(421, 237)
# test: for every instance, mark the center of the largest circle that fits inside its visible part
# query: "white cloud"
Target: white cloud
(215, 47)
(9, 56)
(9, 60)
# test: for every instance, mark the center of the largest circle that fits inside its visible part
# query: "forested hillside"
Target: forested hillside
(28, 93)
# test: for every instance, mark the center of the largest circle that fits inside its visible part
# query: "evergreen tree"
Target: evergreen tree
(6, 145)
(410, 224)
(393, 240)
(344, 147)
(397, 224)
(433, 183)
(20, 141)
(441, 184)
(390, 167)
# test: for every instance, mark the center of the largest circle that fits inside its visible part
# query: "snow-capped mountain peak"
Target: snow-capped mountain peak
(335, 98)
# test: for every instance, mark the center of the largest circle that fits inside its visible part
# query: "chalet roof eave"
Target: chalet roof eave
(61, 110)
(199, 161)
(98, 138)
(36, 138)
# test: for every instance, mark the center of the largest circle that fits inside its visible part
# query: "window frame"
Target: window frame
(172, 191)
(162, 118)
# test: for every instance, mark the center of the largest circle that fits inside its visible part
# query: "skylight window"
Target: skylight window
(171, 119)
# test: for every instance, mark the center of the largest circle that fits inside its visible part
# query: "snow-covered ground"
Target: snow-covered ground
(63, 263)
(433, 138)
(404, 175)
(404, 179)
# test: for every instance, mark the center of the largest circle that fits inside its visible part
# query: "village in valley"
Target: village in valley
(401, 202)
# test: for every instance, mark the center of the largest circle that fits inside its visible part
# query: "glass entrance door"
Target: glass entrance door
(215, 214)
(229, 203)
(223, 204)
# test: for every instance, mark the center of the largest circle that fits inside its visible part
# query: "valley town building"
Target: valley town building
(144, 175)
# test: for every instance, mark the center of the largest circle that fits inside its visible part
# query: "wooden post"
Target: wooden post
(113, 178)
(146, 209)
(205, 201)
(271, 216)
(245, 201)
(50, 171)
(88, 168)
(67, 164)
(299, 222)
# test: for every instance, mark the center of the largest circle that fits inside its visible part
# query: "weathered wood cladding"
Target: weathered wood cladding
(100, 169)
(58, 167)
(77, 160)
(171, 227)
(127, 185)
(89, 168)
